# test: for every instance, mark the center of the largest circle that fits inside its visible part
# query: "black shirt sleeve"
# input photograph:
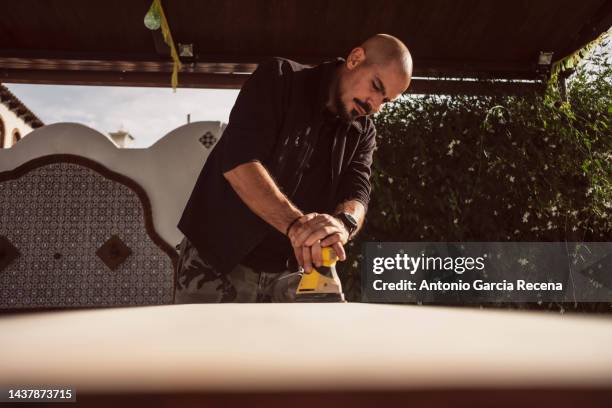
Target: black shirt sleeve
(255, 119)
(355, 181)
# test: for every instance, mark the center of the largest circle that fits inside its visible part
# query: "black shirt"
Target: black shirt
(279, 120)
(272, 253)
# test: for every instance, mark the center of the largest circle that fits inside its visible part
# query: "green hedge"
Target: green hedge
(494, 168)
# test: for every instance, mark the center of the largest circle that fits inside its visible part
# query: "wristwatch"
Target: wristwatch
(350, 223)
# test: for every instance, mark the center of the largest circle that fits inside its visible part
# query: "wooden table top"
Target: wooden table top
(302, 347)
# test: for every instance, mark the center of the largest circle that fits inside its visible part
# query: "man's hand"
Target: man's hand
(298, 250)
(314, 231)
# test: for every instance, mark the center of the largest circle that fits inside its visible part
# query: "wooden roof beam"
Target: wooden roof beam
(235, 81)
(110, 78)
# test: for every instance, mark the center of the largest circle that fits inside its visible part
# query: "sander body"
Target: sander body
(322, 283)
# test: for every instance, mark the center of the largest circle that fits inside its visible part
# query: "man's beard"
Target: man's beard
(346, 115)
(341, 108)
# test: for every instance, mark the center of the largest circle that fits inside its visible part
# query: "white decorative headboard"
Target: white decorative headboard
(84, 223)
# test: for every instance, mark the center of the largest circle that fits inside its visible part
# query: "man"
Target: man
(289, 176)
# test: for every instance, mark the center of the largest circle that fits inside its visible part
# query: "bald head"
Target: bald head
(376, 72)
(384, 49)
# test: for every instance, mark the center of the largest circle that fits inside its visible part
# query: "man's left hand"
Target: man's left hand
(320, 231)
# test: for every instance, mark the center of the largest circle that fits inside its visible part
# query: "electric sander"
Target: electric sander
(322, 283)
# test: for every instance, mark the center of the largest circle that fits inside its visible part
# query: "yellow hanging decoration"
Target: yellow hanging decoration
(154, 19)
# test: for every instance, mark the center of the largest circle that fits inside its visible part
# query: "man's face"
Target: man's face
(364, 88)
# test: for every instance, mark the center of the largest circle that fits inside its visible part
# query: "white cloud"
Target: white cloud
(147, 113)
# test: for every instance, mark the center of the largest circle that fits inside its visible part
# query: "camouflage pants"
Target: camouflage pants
(199, 282)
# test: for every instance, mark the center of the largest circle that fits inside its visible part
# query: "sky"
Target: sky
(146, 113)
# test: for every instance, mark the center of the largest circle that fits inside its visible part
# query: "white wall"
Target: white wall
(12, 122)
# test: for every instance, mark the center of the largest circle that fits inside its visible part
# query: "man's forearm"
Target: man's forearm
(259, 192)
(356, 209)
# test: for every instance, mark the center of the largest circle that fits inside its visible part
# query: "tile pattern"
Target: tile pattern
(208, 140)
(57, 216)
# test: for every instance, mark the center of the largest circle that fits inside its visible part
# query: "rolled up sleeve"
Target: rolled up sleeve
(355, 181)
(255, 119)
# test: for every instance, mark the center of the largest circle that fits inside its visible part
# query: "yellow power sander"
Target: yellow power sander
(322, 283)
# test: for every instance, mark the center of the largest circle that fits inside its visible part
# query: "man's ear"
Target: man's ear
(355, 58)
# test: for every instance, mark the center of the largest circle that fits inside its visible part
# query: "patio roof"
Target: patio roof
(106, 43)
(14, 104)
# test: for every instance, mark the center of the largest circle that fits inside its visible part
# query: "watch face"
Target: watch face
(351, 220)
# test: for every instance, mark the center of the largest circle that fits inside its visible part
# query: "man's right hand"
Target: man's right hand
(317, 226)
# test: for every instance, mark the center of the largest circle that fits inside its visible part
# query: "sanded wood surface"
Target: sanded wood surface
(302, 348)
